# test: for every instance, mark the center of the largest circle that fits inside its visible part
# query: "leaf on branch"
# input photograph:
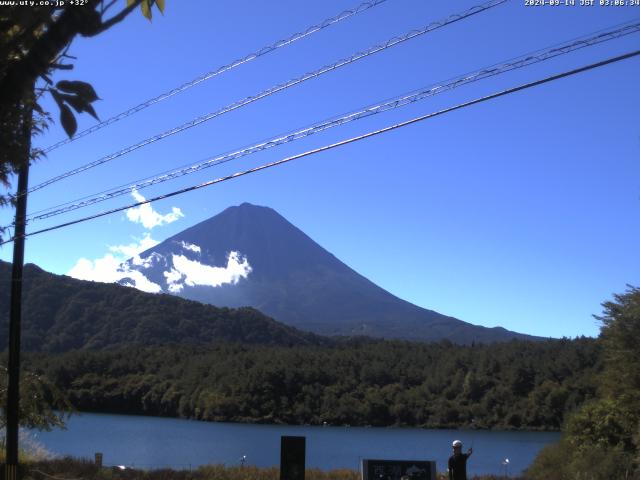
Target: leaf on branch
(146, 9)
(82, 89)
(90, 110)
(38, 108)
(68, 120)
(57, 96)
(79, 104)
(160, 4)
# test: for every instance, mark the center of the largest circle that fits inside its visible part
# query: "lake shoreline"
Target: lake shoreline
(463, 427)
(156, 442)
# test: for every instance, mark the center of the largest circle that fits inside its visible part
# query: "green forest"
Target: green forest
(516, 385)
(108, 348)
(61, 313)
(601, 440)
(105, 348)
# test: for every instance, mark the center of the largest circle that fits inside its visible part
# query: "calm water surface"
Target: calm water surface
(149, 442)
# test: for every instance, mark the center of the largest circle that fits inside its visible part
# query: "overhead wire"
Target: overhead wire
(342, 142)
(266, 93)
(213, 73)
(396, 102)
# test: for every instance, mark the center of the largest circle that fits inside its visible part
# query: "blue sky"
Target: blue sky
(520, 212)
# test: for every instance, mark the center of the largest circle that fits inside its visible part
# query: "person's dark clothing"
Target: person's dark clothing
(458, 466)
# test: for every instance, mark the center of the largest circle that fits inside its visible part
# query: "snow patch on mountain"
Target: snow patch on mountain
(133, 278)
(186, 272)
(109, 270)
(147, 262)
(191, 247)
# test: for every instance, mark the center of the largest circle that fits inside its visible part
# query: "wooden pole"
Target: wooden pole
(15, 317)
(15, 312)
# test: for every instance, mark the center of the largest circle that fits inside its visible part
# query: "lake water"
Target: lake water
(149, 442)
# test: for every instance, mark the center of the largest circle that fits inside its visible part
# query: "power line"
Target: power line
(248, 100)
(225, 68)
(415, 96)
(342, 142)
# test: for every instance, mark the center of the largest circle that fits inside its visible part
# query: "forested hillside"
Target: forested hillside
(527, 385)
(61, 313)
(114, 349)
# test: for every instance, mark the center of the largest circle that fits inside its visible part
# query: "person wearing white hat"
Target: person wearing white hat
(458, 462)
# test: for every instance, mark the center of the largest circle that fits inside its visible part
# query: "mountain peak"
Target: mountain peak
(251, 255)
(245, 213)
(250, 205)
(244, 206)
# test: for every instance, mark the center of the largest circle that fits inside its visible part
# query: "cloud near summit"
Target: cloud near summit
(111, 267)
(191, 272)
(148, 217)
(122, 263)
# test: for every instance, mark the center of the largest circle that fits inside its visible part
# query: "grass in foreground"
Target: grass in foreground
(74, 469)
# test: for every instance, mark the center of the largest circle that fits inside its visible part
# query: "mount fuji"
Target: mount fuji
(252, 256)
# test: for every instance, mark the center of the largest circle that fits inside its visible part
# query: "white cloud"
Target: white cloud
(133, 249)
(148, 217)
(110, 267)
(190, 246)
(103, 269)
(147, 262)
(192, 273)
(141, 282)
(173, 278)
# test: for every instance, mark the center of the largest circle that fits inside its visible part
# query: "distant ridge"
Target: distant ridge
(251, 255)
(61, 314)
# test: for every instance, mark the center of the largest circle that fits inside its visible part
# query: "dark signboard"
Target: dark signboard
(398, 470)
(292, 458)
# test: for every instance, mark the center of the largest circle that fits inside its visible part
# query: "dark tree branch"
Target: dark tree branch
(41, 50)
(108, 6)
(114, 20)
(45, 49)
(71, 22)
(62, 54)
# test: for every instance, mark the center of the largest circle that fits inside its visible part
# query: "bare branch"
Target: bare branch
(62, 54)
(61, 66)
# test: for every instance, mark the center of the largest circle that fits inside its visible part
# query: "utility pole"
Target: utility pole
(15, 313)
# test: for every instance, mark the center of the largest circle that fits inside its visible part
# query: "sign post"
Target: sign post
(292, 458)
(398, 469)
